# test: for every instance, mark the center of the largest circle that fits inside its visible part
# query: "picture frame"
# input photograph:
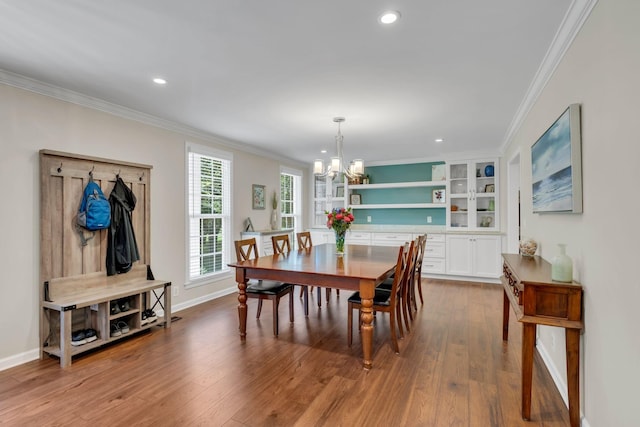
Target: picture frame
(439, 172)
(339, 191)
(439, 196)
(355, 199)
(556, 165)
(248, 225)
(490, 188)
(258, 196)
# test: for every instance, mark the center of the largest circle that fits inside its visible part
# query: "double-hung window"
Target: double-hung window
(290, 198)
(209, 212)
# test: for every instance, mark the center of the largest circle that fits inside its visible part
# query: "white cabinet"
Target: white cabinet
(319, 236)
(358, 237)
(472, 195)
(476, 255)
(390, 239)
(328, 194)
(263, 239)
(434, 260)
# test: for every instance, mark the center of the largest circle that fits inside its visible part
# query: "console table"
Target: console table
(538, 300)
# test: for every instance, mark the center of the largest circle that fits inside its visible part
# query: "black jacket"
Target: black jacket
(122, 249)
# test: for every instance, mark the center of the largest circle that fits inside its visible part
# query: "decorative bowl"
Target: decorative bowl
(528, 247)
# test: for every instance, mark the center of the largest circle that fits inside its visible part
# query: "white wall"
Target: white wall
(600, 71)
(30, 122)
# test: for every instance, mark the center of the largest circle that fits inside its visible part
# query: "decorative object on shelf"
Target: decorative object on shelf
(488, 170)
(248, 225)
(438, 196)
(337, 166)
(556, 169)
(562, 265)
(355, 199)
(454, 208)
(340, 220)
(274, 211)
(365, 180)
(486, 221)
(339, 191)
(528, 247)
(490, 188)
(492, 205)
(438, 172)
(478, 174)
(257, 196)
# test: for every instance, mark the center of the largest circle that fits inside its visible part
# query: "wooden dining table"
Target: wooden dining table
(360, 268)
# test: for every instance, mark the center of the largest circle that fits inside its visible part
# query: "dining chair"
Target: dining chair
(282, 245)
(304, 242)
(384, 300)
(264, 289)
(417, 279)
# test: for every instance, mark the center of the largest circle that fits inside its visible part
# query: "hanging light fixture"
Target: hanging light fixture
(336, 164)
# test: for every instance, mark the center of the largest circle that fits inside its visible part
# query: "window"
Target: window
(209, 211)
(290, 199)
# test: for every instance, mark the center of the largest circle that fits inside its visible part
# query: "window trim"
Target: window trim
(226, 272)
(297, 201)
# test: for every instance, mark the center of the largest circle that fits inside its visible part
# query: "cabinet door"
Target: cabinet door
(486, 254)
(459, 201)
(459, 255)
(319, 237)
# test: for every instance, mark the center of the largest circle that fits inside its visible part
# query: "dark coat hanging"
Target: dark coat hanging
(122, 249)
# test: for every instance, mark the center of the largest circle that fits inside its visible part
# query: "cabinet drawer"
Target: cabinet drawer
(435, 237)
(434, 249)
(391, 239)
(359, 237)
(433, 265)
(267, 246)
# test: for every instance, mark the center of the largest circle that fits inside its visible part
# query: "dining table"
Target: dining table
(360, 268)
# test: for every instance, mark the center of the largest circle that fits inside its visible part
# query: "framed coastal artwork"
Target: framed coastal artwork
(556, 165)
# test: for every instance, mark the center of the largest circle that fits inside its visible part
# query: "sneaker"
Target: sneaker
(124, 305)
(151, 316)
(90, 335)
(115, 331)
(123, 326)
(145, 318)
(78, 338)
(115, 309)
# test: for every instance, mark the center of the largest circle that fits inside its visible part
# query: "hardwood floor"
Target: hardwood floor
(453, 370)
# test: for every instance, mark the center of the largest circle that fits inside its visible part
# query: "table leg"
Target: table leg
(572, 337)
(528, 343)
(366, 320)
(242, 307)
(505, 315)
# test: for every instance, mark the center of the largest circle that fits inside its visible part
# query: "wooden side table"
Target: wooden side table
(538, 300)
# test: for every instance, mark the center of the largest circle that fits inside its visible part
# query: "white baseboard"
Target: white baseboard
(19, 359)
(28, 356)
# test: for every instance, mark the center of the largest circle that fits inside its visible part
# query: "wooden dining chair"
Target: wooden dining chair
(304, 242)
(417, 273)
(264, 289)
(387, 301)
(282, 245)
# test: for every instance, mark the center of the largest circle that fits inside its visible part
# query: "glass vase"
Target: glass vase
(340, 235)
(562, 265)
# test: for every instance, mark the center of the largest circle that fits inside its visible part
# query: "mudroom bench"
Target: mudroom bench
(114, 307)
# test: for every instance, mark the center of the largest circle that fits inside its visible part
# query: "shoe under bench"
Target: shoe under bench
(84, 301)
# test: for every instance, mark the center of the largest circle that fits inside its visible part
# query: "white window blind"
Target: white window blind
(209, 206)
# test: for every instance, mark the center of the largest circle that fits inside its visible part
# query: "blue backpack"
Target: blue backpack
(95, 209)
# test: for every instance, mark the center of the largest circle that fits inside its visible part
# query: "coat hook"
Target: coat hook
(118, 173)
(60, 168)
(91, 171)
(141, 177)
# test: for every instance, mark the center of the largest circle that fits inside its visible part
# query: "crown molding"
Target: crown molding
(42, 88)
(574, 19)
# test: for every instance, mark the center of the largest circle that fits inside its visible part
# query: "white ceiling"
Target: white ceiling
(273, 74)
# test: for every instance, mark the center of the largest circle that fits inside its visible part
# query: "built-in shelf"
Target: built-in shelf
(398, 185)
(400, 206)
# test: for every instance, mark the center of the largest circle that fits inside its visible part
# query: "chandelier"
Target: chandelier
(337, 165)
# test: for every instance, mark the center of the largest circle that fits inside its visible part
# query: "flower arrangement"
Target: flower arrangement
(339, 219)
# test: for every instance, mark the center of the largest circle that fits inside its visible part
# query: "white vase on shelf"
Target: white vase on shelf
(274, 220)
(562, 265)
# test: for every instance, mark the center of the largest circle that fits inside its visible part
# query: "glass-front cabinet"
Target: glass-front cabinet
(472, 187)
(328, 193)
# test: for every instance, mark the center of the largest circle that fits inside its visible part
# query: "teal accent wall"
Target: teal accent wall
(393, 174)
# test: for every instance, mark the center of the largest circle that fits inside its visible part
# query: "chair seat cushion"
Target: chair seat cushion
(267, 287)
(387, 284)
(381, 297)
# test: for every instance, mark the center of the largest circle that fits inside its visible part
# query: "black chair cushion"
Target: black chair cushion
(267, 287)
(382, 297)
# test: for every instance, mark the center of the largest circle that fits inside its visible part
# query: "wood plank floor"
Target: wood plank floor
(453, 370)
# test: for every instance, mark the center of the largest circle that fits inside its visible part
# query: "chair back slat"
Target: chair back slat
(246, 249)
(281, 244)
(304, 240)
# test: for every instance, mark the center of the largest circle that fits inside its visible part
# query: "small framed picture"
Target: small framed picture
(339, 191)
(248, 225)
(257, 195)
(438, 196)
(438, 172)
(490, 188)
(355, 199)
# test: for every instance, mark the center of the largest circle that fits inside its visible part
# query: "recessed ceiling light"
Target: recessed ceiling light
(439, 140)
(323, 151)
(159, 81)
(389, 17)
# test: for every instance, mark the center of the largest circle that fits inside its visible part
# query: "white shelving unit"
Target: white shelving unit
(411, 184)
